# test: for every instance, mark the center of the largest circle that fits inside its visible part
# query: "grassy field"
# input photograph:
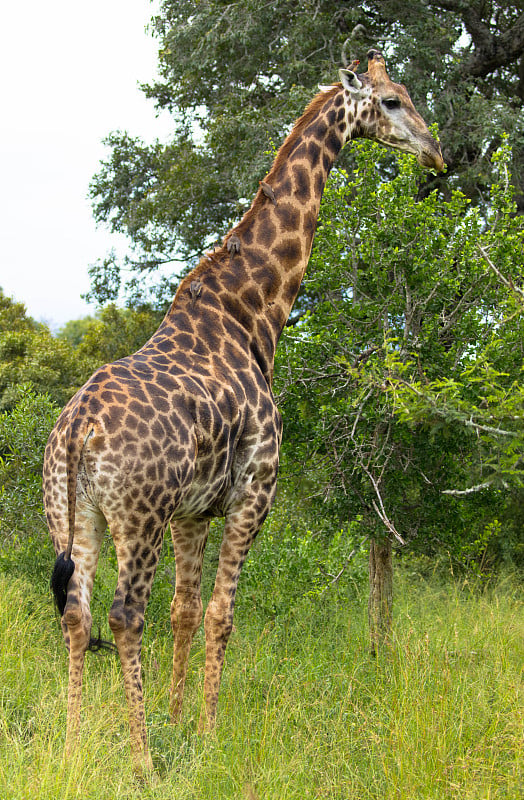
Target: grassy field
(304, 711)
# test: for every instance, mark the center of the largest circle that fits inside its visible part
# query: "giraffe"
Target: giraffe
(186, 428)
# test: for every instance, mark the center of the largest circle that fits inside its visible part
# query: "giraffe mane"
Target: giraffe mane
(300, 125)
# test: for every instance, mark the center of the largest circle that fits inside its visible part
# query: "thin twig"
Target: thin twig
(381, 512)
(509, 283)
(335, 578)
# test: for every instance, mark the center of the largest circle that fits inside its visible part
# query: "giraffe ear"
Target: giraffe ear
(350, 81)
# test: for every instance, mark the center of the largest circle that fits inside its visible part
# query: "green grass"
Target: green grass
(304, 711)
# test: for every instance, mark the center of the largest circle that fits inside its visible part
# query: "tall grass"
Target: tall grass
(304, 711)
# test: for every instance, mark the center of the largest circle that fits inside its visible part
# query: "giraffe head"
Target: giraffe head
(383, 111)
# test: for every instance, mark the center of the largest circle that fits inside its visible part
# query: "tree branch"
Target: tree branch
(335, 578)
(295, 318)
(508, 283)
(478, 488)
(454, 414)
(491, 51)
(381, 512)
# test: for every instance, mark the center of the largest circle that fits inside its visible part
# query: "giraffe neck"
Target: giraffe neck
(280, 226)
(255, 280)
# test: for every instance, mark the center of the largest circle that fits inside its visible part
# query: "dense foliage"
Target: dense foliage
(30, 354)
(23, 435)
(402, 386)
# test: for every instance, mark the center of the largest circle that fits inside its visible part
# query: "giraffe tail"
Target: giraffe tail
(62, 572)
(64, 565)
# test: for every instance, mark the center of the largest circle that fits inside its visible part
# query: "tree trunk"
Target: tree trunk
(380, 604)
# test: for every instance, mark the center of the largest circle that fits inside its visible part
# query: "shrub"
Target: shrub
(23, 435)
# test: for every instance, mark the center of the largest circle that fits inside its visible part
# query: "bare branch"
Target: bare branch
(359, 412)
(381, 512)
(335, 578)
(461, 492)
(488, 428)
(507, 282)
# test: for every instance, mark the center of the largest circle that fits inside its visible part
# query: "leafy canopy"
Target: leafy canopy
(403, 379)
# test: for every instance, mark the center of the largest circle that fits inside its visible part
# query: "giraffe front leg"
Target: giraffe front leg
(189, 540)
(218, 627)
(186, 615)
(242, 525)
(127, 625)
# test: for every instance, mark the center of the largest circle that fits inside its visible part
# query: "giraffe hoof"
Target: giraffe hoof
(206, 725)
(144, 770)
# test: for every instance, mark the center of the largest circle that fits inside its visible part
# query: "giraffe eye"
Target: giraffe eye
(391, 103)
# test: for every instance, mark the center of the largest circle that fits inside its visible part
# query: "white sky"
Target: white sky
(69, 74)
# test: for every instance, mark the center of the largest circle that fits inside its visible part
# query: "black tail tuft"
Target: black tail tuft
(62, 572)
(98, 644)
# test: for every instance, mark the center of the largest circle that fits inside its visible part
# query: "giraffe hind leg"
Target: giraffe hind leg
(72, 584)
(137, 553)
(62, 573)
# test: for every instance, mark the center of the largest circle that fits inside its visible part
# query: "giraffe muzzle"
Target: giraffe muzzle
(431, 157)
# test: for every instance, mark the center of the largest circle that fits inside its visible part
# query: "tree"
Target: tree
(115, 333)
(30, 354)
(74, 330)
(13, 316)
(23, 435)
(235, 75)
(401, 388)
